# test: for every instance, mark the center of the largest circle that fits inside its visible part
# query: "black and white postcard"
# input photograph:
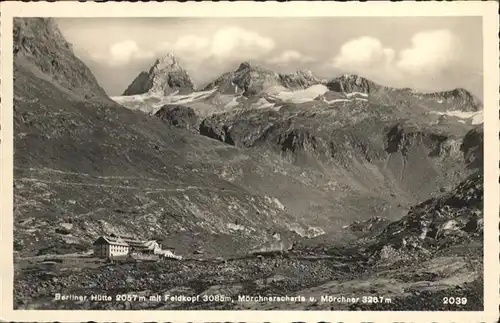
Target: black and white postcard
(255, 161)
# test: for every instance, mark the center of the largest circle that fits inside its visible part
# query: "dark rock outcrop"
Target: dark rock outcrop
(351, 83)
(371, 225)
(472, 148)
(299, 80)
(179, 116)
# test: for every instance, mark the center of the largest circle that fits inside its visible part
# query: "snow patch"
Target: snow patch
(262, 104)
(302, 96)
(231, 104)
(276, 202)
(336, 100)
(351, 94)
(313, 232)
(150, 103)
(474, 117)
(235, 227)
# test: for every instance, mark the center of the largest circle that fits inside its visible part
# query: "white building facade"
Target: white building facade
(107, 247)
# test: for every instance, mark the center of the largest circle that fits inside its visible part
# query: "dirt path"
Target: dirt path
(116, 186)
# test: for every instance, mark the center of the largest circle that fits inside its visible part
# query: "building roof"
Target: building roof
(128, 242)
(112, 241)
(134, 243)
(123, 236)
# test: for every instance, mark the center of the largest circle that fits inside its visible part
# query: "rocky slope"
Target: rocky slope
(164, 77)
(179, 116)
(40, 48)
(406, 153)
(433, 252)
(300, 79)
(452, 219)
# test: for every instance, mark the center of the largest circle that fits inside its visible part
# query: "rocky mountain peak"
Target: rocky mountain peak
(305, 72)
(299, 79)
(463, 95)
(167, 61)
(244, 66)
(461, 92)
(248, 79)
(165, 76)
(351, 83)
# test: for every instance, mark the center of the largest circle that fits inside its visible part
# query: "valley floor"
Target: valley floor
(314, 278)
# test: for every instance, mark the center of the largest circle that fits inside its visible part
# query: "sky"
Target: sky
(424, 53)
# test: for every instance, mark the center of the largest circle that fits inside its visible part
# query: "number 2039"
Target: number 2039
(455, 300)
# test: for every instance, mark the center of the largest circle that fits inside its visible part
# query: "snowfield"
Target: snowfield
(301, 96)
(474, 117)
(335, 100)
(351, 94)
(150, 103)
(262, 104)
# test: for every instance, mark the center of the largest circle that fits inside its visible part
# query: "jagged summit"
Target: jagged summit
(351, 83)
(165, 76)
(167, 60)
(305, 72)
(244, 65)
(250, 79)
(300, 79)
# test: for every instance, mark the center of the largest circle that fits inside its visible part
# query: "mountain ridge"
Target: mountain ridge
(251, 79)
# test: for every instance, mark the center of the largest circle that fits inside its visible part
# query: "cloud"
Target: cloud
(431, 52)
(290, 56)
(234, 41)
(123, 53)
(363, 53)
(226, 44)
(431, 56)
(231, 43)
(185, 45)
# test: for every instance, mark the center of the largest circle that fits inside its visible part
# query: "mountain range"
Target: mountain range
(256, 162)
